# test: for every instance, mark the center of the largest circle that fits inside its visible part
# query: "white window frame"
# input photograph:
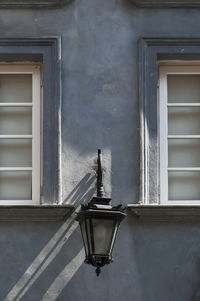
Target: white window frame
(35, 71)
(164, 71)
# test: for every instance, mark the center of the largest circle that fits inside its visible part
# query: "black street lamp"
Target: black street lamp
(99, 223)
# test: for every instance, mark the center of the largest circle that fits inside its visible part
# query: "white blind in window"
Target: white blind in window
(19, 134)
(180, 135)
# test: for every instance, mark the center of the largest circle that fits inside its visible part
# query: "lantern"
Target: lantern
(99, 223)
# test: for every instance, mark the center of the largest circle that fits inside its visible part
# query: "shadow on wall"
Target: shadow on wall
(196, 295)
(82, 192)
(48, 274)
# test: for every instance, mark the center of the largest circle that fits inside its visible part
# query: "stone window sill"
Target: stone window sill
(43, 213)
(33, 3)
(162, 213)
(166, 3)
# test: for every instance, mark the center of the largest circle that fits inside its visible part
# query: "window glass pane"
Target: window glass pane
(15, 87)
(184, 88)
(184, 121)
(184, 185)
(15, 121)
(15, 185)
(184, 153)
(15, 153)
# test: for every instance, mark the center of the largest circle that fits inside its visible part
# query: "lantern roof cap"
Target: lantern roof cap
(97, 208)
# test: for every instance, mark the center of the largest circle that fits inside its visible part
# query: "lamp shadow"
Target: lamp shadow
(82, 192)
(54, 261)
(196, 294)
(64, 247)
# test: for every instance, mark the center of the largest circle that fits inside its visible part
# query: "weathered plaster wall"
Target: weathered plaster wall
(153, 261)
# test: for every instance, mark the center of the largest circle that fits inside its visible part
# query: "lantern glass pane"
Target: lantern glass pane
(103, 230)
(114, 236)
(84, 236)
(89, 235)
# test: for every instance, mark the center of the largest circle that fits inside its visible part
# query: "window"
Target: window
(20, 107)
(44, 51)
(179, 102)
(178, 160)
(36, 204)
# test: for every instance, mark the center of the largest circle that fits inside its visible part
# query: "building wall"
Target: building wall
(153, 261)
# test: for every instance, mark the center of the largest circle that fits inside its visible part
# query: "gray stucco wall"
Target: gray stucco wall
(153, 261)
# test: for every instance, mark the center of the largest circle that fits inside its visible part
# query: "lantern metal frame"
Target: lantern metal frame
(99, 208)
